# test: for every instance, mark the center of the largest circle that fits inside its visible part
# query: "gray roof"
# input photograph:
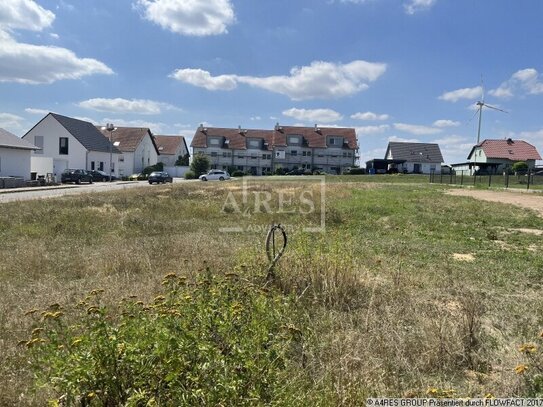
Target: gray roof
(10, 140)
(89, 136)
(418, 152)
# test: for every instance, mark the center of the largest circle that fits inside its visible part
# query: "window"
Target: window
(240, 167)
(253, 157)
(344, 154)
(92, 166)
(226, 154)
(293, 139)
(241, 156)
(213, 141)
(38, 142)
(101, 166)
(254, 143)
(121, 158)
(63, 145)
(213, 154)
(294, 153)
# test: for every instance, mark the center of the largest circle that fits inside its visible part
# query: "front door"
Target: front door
(416, 168)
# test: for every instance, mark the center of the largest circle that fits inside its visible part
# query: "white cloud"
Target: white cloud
(120, 105)
(455, 148)
(369, 116)
(37, 64)
(403, 140)
(415, 6)
(189, 17)
(32, 110)
(203, 79)
(314, 115)
(524, 81)
(446, 123)
(464, 93)
(416, 129)
(11, 122)
(319, 80)
(256, 118)
(24, 14)
(368, 130)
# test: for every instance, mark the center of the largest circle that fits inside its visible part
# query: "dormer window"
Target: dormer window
(335, 141)
(294, 139)
(213, 141)
(253, 143)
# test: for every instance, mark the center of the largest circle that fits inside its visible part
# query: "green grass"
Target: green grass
(407, 290)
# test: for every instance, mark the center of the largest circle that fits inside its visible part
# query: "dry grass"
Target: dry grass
(390, 312)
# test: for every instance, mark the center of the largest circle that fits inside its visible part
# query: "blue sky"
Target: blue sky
(393, 69)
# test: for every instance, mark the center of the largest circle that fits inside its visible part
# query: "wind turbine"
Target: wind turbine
(480, 104)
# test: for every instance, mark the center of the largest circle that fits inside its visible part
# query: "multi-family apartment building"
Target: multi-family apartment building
(329, 149)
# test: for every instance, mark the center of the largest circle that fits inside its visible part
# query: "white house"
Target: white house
(66, 142)
(418, 158)
(171, 148)
(137, 146)
(14, 156)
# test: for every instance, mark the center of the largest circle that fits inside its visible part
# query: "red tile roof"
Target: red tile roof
(313, 137)
(128, 138)
(514, 150)
(169, 144)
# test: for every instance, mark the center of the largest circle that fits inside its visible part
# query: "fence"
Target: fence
(529, 180)
(177, 171)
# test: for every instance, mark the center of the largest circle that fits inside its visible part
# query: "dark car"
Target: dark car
(77, 176)
(159, 177)
(102, 176)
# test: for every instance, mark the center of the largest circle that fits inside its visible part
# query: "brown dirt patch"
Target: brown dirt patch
(523, 199)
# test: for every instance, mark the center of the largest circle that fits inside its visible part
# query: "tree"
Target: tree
(200, 164)
(520, 167)
(183, 160)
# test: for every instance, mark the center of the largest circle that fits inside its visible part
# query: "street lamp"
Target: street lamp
(110, 128)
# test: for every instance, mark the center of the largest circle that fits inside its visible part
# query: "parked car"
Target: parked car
(215, 175)
(160, 177)
(77, 176)
(98, 176)
(137, 177)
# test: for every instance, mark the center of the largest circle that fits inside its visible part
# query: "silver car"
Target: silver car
(215, 175)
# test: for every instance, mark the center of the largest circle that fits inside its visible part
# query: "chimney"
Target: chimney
(278, 128)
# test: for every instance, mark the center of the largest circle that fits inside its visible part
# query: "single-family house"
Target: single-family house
(171, 149)
(138, 148)
(15, 155)
(65, 142)
(495, 156)
(418, 158)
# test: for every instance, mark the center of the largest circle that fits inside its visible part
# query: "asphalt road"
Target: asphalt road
(27, 194)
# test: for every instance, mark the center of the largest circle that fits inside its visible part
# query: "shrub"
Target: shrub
(520, 166)
(190, 175)
(354, 171)
(238, 173)
(200, 164)
(279, 171)
(217, 341)
(152, 168)
(183, 160)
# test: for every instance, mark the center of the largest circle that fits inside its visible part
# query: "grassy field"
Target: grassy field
(408, 292)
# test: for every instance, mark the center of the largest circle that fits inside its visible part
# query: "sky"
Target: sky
(395, 70)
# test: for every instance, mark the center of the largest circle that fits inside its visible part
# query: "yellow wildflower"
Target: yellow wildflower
(527, 348)
(520, 369)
